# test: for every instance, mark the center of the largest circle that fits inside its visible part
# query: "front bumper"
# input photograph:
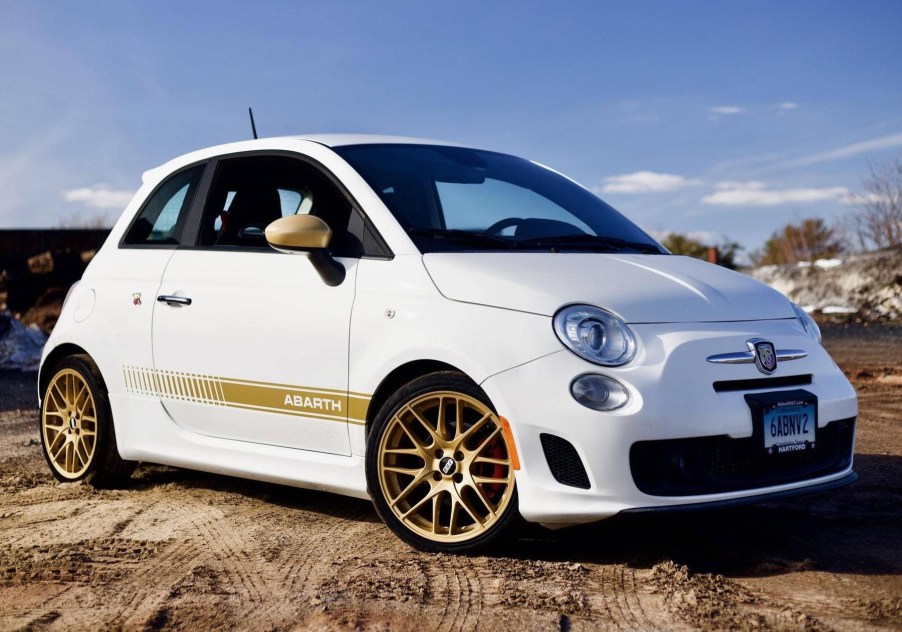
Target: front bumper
(766, 497)
(672, 398)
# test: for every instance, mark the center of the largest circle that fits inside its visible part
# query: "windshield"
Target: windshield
(458, 199)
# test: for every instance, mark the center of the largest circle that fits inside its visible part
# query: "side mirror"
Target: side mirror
(298, 233)
(311, 235)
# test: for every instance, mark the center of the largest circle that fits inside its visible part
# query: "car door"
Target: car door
(251, 344)
(126, 276)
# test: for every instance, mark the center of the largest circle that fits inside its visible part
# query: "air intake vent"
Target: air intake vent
(762, 382)
(564, 462)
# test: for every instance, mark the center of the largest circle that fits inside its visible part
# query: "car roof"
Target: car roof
(274, 142)
(339, 140)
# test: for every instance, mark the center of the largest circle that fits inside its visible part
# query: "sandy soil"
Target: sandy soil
(182, 550)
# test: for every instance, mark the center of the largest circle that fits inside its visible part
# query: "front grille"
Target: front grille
(762, 382)
(564, 462)
(709, 465)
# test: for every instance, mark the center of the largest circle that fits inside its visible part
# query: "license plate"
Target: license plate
(789, 427)
(784, 422)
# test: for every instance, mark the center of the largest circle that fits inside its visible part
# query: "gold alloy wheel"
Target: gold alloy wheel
(445, 468)
(69, 423)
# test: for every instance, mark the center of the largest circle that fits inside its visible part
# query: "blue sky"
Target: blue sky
(711, 118)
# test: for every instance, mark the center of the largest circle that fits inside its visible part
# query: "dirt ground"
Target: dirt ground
(182, 550)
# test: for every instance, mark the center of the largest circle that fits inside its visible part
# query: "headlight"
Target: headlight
(595, 335)
(807, 322)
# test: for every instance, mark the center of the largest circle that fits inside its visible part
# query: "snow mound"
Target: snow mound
(868, 285)
(20, 346)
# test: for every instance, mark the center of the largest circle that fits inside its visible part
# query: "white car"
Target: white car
(463, 336)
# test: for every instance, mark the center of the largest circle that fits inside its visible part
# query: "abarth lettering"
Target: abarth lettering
(316, 403)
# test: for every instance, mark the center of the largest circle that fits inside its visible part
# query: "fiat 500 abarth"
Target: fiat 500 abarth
(463, 336)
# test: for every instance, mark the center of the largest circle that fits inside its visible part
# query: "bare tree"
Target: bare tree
(877, 223)
(80, 221)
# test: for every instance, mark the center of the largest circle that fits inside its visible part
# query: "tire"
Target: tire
(439, 469)
(76, 426)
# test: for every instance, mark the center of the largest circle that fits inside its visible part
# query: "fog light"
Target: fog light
(599, 392)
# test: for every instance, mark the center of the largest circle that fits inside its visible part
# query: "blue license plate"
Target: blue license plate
(789, 426)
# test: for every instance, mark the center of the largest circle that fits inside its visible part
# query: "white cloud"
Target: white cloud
(99, 196)
(884, 142)
(726, 109)
(756, 194)
(854, 199)
(737, 184)
(645, 182)
(788, 105)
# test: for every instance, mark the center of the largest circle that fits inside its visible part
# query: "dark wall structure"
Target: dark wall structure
(27, 242)
(37, 266)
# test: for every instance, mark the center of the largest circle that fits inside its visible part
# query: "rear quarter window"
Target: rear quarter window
(163, 215)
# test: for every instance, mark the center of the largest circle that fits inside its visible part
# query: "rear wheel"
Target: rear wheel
(439, 468)
(77, 433)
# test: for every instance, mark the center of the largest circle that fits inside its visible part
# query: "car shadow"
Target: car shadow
(292, 498)
(855, 530)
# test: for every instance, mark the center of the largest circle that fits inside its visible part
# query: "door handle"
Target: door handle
(173, 300)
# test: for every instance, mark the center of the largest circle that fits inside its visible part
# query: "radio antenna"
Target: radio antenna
(253, 127)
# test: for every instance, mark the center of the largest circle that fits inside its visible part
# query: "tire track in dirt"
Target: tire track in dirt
(123, 524)
(211, 554)
(634, 594)
(141, 602)
(618, 590)
(32, 617)
(610, 589)
(168, 569)
(466, 577)
(301, 570)
(453, 594)
(229, 554)
(475, 591)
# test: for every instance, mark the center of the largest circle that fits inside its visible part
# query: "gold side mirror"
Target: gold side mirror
(298, 233)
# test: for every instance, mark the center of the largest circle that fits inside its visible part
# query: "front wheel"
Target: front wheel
(77, 433)
(439, 468)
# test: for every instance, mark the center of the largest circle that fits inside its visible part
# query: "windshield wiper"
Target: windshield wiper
(611, 244)
(464, 236)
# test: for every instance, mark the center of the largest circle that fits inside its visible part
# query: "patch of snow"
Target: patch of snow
(868, 284)
(20, 346)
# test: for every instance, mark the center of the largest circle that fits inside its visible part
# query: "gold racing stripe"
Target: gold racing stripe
(318, 403)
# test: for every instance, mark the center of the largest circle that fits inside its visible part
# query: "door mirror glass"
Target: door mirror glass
(298, 233)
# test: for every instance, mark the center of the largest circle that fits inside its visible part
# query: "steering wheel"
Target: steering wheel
(502, 224)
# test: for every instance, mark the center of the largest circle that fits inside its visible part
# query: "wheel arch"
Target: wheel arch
(58, 353)
(402, 375)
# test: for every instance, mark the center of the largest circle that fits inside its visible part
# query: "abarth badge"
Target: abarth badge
(136, 298)
(765, 356)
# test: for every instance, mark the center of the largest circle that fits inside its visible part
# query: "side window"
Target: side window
(250, 193)
(163, 215)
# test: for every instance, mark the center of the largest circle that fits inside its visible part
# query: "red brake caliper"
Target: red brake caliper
(494, 450)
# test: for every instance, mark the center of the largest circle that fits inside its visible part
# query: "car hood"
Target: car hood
(638, 288)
